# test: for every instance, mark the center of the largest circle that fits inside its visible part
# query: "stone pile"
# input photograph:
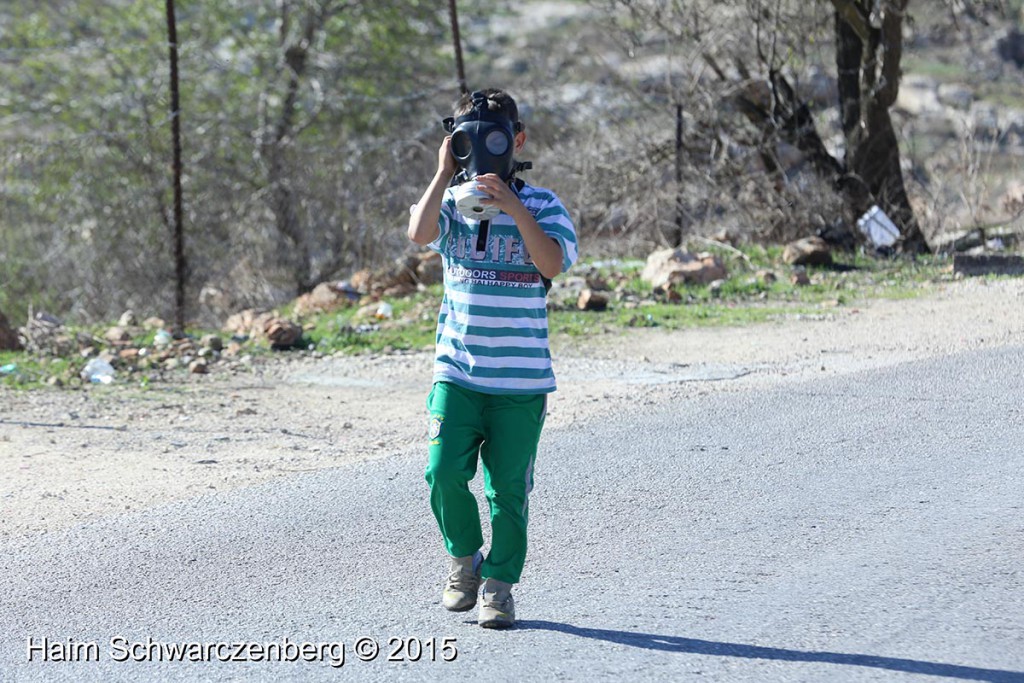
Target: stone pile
(127, 347)
(667, 268)
(809, 251)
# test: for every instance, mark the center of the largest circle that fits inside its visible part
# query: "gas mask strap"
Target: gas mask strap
(481, 238)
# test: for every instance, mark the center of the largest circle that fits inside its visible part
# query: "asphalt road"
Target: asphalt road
(868, 527)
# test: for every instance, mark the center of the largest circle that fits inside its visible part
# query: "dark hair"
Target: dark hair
(497, 101)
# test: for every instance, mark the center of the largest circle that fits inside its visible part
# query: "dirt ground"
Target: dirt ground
(69, 456)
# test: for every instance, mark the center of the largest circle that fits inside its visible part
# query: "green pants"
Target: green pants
(503, 432)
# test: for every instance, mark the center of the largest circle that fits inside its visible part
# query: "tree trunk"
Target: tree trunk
(868, 66)
(283, 201)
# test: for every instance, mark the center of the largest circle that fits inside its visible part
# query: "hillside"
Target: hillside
(294, 178)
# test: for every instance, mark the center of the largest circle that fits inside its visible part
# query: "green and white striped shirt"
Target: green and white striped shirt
(492, 330)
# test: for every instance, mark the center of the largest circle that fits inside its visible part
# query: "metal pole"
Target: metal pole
(679, 175)
(459, 68)
(179, 238)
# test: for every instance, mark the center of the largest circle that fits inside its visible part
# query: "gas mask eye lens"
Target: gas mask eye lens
(461, 145)
(496, 142)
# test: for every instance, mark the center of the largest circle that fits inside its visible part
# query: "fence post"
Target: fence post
(179, 237)
(679, 175)
(459, 68)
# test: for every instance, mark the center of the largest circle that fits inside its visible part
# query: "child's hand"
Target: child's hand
(502, 195)
(445, 161)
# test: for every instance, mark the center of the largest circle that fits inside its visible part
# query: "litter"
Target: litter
(878, 228)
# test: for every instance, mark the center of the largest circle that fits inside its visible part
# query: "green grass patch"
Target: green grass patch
(746, 297)
(21, 370)
(411, 326)
(666, 316)
(936, 68)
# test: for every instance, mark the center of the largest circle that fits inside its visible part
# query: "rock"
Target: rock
(361, 280)
(367, 312)
(403, 272)
(171, 364)
(988, 264)
(45, 334)
(153, 323)
(117, 335)
(216, 299)
(127, 319)
(247, 323)
(799, 277)
(955, 95)
(590, 300)
(128, 354)
(184, 346)
(84, 340)
(398, 291)
(430, 269)
(566, 290)
(1012, 201)
(1010, 47)
(596, 281)
(1012, 121)
(8, 337)
(212, 342)
(198, 367)
(325, 297)
(661, 261)
(282, 333)
(725, 236)
(919, 95)
(239, 323)
(984, 121)
(668, 267)
(809, 251)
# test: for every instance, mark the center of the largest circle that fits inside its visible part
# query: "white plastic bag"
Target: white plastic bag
(98, 371)
(878, 228)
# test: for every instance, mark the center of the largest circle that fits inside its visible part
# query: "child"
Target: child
(492, 368)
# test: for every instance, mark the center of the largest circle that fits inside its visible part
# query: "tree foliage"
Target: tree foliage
(742, 69)
(296, 112)
(310, 126)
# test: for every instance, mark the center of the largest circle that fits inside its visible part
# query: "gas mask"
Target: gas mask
(483, 141)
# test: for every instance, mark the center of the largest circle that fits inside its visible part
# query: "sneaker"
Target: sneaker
(497, 610)
(463, 581)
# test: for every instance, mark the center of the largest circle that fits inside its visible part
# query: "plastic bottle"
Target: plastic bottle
(162, 338)
(385, 311)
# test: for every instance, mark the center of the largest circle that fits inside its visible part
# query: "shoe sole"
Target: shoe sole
(496, 624)
(460, 609)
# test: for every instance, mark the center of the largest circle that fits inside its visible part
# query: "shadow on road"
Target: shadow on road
(650, 641)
